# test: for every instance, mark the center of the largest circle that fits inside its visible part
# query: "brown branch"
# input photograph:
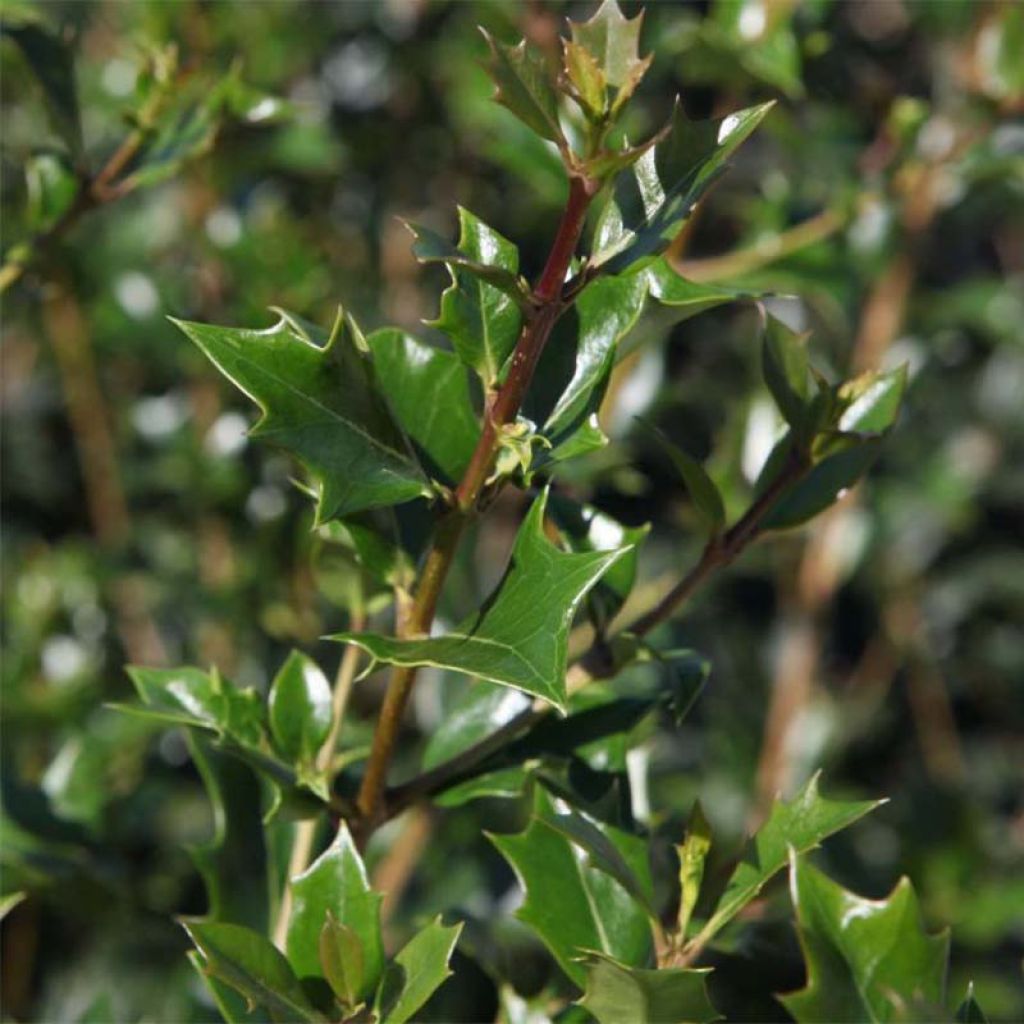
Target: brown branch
(502, 410)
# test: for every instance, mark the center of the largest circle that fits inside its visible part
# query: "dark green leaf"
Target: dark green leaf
(320, 402)
(524, 86)
(507, 783)
(867, 960)
(248, 962)
(704, 494)
(969, 1012)
(651, 203)
(429, 392)
(693, 851)
(616, 993)
(51, 61)
(300, 708)
(573, 907)
(482, 709)
(232, 1005)
(52, 187)
(520, 638)
(341, 960)
(430, 247)
(801, 824)
(688, 674)
(417, 971)
(335, 882)
(479, 316)
(602, 853)
(786, 371)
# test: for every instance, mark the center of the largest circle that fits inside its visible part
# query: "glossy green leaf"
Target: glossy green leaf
(606, 855)
(683, 298)
(588, 529)
(603, 314)
(651, 203)
(703, 491)
(300, 708)
(572, 906)
(524, 87)
(504, 784)
(482, 320)
(969, 1012)
(251, 965)
(429, 393)
(53, 65)
(341, 960)
(693, 852)
(231, 1004)
(842, 459)
(484, 708)
(786, 371)
(233, 860)
(802, 824)
(416, 972)
(616, 993)
(335, 882)
(520, 637)
(321, 402)
(867, 960)
(430, 247)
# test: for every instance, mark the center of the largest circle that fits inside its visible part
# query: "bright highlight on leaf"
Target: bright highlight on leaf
(520, 637)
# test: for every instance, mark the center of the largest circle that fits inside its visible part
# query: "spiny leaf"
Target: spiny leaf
(801, 824)
(651, 203)
(524, 86)
(417, 971)
(583, 71)
(248, 962)
(477, 312)
(616, 993)
(428, 390)
(520, 637)
(867, 960)
(614, 43)
(573, 907)
(320, 401)
(335, 882)
(300, 708)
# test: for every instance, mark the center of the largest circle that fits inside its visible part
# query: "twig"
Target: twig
(504, 408)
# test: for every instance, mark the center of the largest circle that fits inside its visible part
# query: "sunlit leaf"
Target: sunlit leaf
(416, 972)
(300, 708)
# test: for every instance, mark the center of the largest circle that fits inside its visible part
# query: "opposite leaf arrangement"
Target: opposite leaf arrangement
(390, 431)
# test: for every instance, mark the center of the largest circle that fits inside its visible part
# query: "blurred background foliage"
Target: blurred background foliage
(882, 203)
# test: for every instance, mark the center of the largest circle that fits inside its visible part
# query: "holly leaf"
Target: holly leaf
(616, 992)
(477, 314)
(520, 637)
(786, 371)
(867, 960)
(341, 959)
(841, 457)
(693, 852)
(300, 708)
(429, 393)
(523, 86)
(336, 882)
(573, 906)
(801, 824)
(416, 972)
(320, 401)
(650, 204)
(613, 42)
(969, 1012)
(251, 965)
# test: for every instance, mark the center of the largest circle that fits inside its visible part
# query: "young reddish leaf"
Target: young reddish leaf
(341, 959)
(614, 42)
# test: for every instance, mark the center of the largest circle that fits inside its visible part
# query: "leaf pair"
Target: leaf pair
(334, 945)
